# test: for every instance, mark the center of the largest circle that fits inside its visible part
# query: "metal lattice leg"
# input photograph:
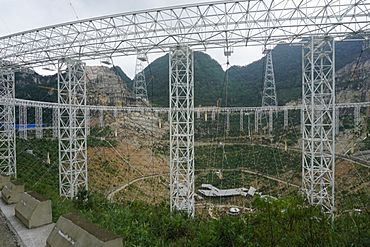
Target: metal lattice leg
(23, 122)
(38, 122)
(101, 118)
(72, 127)
(7, 127)
(182, 130)
(55, 121)
(88, 123)
(286, 118)
(318, 122)
(227, 122)
(357, 119)
(256, 121)
(241, 123)
(271, 122)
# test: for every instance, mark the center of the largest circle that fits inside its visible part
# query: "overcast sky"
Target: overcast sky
(22, 15)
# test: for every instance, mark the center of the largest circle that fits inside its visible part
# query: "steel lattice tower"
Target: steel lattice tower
(139, 89)
(7, 120)
(181, 130)
(269, 89)
(72, 127)
(318, 122)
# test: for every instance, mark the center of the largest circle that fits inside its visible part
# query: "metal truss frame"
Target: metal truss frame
(318, 122)
(38, 122)
(181, 116)
(141, 109)
(200, 26)
(72, 127)
(139, 86)
(7, 120)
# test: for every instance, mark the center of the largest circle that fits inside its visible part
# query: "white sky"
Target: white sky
(22, 15)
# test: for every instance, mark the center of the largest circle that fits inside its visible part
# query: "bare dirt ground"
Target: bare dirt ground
(111, 168)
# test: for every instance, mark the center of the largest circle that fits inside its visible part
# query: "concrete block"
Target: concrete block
(3, 181)
(12, 192)
(72, 230)
(33, 210)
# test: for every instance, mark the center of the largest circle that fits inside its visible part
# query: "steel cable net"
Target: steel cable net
(238, 23)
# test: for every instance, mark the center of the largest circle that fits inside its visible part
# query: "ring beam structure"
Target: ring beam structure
(200, 26)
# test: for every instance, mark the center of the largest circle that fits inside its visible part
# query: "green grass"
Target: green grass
(268, 160)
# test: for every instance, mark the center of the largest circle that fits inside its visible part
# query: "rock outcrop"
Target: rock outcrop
(104, 87)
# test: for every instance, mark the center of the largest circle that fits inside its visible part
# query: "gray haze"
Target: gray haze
(22, 15)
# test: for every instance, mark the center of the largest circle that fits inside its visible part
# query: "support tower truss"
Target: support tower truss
(7, 120)
(269, 89)
(139, 89)
(72, 127)
(181, 130)
(318, 121)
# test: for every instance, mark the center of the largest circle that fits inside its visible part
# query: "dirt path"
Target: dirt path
(124, 186)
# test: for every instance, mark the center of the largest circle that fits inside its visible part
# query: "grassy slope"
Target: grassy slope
(286, 222)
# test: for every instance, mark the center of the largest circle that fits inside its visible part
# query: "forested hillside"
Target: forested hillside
(244, 87)
(245, 82)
